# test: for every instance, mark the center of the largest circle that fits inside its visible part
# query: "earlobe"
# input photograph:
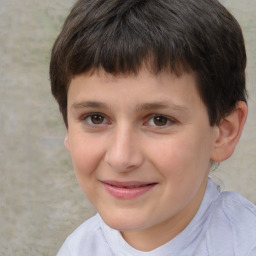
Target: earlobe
(66, 142)
(229, 132)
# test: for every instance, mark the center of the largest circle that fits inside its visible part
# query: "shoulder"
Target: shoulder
(238, 211)
(87, 239)
(231, 201)
(232, 223)
(87, 228)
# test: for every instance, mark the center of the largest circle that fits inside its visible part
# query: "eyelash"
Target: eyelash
(89, 116)
(167, 120)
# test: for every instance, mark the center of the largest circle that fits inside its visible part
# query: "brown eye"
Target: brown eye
(96, 119)
(160, 120)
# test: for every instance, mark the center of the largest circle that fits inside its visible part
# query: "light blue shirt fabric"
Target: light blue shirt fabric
(225, 225)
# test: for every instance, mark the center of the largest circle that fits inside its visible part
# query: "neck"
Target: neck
(155, 236)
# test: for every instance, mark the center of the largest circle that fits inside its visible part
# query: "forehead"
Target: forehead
(145, 74)
(145, 90)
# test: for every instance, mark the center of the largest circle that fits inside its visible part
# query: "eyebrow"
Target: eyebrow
(161, 105)
(139, 108)
(88, 104)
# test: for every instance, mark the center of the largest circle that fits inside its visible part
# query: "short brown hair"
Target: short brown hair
(121, 35)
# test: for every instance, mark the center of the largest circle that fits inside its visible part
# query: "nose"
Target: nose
(124, 151)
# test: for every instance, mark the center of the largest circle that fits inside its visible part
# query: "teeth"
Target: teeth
(138, 186)
(131, 186)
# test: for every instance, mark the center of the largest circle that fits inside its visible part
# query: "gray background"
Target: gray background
(40, 201)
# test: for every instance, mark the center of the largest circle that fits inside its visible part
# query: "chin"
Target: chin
(123, 222)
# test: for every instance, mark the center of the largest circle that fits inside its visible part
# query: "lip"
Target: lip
(127, 190)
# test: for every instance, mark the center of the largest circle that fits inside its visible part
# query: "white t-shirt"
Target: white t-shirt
(225, 225)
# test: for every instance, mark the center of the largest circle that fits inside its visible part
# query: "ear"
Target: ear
(229, 132)
(66, 142)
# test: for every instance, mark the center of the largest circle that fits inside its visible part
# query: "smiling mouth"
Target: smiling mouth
(127, 190)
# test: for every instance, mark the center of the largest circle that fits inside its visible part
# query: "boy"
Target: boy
(152, 93)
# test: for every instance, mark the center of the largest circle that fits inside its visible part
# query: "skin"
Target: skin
(150, 129)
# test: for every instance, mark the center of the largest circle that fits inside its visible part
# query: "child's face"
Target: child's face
(141, 148)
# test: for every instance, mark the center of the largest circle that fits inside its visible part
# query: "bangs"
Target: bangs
(124, 36)
(121, 43)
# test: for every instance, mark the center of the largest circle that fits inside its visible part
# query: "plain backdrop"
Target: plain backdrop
(40, 201)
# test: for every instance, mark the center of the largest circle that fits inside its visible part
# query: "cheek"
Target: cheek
(86, 155)
(172, 156)
(180, 158)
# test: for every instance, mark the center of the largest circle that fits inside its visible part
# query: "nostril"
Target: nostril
(125, 162)
(124, 153)
(120, 165)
